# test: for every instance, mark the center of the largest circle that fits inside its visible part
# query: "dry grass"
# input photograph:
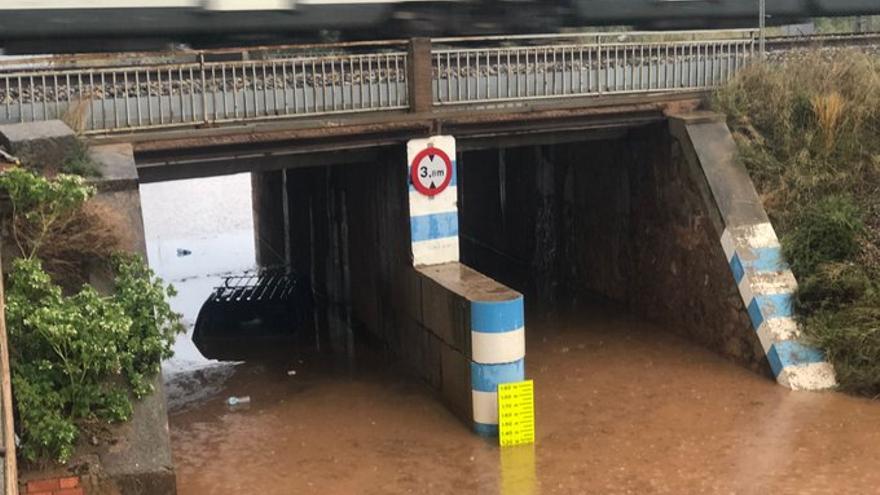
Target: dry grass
(73, 242)
(829, 111)
(807, 130)
(77, 114)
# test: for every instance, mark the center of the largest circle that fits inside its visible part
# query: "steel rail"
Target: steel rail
(594, 34)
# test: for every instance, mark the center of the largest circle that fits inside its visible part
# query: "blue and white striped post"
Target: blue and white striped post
(498, 343)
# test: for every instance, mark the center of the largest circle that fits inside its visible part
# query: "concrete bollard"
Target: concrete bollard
(479, 323)
(498, 356)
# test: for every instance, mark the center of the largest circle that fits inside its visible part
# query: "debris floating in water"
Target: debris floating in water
(238, 401)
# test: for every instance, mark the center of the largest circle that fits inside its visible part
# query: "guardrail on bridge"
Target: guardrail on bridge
(104, 94)
(588, 65)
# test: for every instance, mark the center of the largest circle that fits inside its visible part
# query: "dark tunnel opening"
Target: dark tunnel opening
(613, 221)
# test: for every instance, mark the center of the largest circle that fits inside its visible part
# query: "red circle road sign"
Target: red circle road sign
(431, 171)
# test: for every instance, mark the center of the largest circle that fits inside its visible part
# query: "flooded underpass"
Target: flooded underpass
(622, 407)
(648, 373)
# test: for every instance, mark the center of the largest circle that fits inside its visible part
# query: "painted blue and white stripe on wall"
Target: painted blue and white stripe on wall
(498, 346)
(434, 219)
(767, 287)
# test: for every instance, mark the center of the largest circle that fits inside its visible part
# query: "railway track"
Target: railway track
(823, 40)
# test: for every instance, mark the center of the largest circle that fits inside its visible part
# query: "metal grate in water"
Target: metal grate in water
(266, 285)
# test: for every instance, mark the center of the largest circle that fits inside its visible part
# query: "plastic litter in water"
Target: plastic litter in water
(238, 401)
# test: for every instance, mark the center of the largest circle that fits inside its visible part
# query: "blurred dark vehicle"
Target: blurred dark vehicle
(254, 316)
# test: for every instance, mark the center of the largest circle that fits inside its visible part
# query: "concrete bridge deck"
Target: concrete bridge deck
(179, 154)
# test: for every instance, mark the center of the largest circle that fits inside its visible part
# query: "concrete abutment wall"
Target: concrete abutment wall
(643, 218)
(270, 217)
(615, 219)
(752, 251)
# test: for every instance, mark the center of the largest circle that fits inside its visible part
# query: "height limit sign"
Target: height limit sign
(431, 171)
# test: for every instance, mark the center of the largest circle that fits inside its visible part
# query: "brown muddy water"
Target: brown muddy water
(622, 407)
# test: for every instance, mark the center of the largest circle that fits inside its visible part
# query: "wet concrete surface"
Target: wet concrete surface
(622, 407)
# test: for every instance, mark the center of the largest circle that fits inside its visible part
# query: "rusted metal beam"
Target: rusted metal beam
(420, 75)
(184, 143)
(556, 137)
(159, 162)
(256, 162)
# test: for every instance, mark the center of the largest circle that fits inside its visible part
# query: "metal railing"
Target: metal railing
(163, 96)
(121, 92)
(594, 65)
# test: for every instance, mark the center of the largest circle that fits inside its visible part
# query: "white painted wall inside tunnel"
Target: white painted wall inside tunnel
(212, 220)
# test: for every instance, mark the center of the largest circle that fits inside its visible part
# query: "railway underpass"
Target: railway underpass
(633, 325)
(621, 256)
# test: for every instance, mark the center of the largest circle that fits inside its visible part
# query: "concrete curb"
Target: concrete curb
(479, 326)
(752, 251)
(767, 287)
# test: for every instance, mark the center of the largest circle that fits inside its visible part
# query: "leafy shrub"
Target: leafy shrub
(154, 325)
(76, 355)
(39, 205)
(53, 220)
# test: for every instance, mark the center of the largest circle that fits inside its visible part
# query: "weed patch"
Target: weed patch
(79, 162)
(809, 134)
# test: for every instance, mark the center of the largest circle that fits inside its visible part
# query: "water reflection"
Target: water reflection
(197, 231)
(518, 470)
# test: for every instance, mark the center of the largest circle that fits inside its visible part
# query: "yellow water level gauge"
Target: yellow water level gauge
(516, 413)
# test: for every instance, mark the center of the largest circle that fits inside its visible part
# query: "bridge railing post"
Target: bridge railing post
(204, 77)
(420, 79)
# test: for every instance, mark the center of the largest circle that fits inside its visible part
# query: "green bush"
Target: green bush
(79, 162)
(76, 355)
(851, 340)
(831, 288)
(154, 326)
(827, 231)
